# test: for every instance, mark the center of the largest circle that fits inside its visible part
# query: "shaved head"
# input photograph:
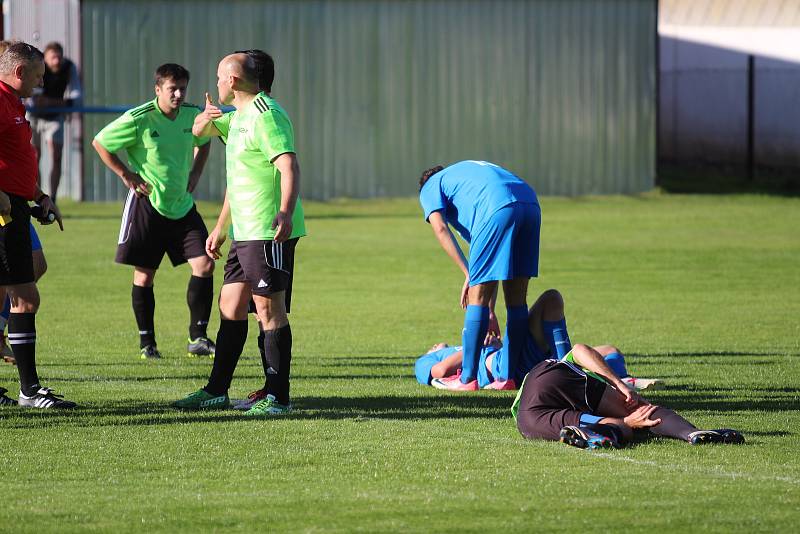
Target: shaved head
(241, 66)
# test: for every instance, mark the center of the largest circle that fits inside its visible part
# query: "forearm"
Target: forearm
(290, 181)
(448, 242)
(224, 215)
(204, 127)
(200, 158)
(110, 160)
(589, 359)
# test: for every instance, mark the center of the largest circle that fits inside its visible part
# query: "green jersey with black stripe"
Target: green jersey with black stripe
(160, 150)
(254, 137)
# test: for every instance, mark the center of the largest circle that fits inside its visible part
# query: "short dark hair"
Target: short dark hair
(16, 53)
(265, 67)
(427, 174)
(56, 46)
(170, 71)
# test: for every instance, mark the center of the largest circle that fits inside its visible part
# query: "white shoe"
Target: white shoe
(642, 384)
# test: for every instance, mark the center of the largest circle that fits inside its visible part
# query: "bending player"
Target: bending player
(498, 214)
(547, 338)
(580, 401)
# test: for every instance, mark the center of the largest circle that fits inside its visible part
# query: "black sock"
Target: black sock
(261, 342)
(22, 338)
(144, 309)
(230, 342)
(199, 297)
(278, 383)
(672, 425)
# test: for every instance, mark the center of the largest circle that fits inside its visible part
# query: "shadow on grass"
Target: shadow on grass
(680, 399)
(306, 408)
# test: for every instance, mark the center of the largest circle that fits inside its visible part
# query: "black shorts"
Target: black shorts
(145, 235)
(555, 395)
(16, 253)
(268, 266)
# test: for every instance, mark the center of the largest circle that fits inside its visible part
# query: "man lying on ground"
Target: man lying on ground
(580, 401)
(547, 338)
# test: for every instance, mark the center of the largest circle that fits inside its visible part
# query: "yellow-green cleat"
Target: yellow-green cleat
(202, 400)
(267, 407)
(202, 347)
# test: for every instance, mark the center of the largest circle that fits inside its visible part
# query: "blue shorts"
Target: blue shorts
(530, 357)
(507, 246)
(36, 244)
(424, 364)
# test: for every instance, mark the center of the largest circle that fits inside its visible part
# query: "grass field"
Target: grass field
(701, 291)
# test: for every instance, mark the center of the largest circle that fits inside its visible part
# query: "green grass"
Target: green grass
(701, 291)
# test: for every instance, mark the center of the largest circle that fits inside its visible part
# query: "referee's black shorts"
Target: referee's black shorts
(145, 235)
(16, 253)
(266, 265)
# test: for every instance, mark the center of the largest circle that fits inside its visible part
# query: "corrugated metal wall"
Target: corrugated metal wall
(562, 93)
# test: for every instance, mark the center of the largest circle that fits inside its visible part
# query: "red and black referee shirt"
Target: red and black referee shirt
(18, 162)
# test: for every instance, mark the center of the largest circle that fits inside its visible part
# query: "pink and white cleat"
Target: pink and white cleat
(453, 383)
(642, 384)
(502, 385)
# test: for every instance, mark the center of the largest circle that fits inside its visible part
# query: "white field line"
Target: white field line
(689, 470)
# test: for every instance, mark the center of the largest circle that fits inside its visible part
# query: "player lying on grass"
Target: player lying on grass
(547, 338)
(580, 401)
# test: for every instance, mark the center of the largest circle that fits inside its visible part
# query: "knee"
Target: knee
(203, 268)
(143, 278)
(552, 305)
(25, 302)
(39, 265)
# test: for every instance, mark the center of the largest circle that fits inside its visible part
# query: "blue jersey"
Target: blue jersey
(469, 192)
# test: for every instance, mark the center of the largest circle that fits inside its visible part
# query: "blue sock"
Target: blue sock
(617, 364)
(4, 314)
(555, 332)
(516, 334)
(476, 324)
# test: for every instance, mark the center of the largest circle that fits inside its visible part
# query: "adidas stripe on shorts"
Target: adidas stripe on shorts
(268, 266)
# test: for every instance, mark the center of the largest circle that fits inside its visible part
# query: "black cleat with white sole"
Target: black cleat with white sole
(5, 400)
(726, 436)
(45, 398)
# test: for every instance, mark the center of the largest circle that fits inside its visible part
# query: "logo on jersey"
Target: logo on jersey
(19, 120)
(187, 130)
(154, 134)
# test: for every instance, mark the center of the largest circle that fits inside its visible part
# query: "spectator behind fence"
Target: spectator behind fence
(62, 88)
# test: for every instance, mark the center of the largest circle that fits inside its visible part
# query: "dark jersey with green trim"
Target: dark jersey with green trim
(160, 150)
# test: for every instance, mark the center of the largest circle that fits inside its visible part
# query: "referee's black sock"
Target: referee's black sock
(278, 383)
(261, 351)
(144, 309)
(230, 342)
(22, 338)
(199, 297)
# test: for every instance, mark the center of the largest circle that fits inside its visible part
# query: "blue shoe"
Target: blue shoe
(584, 438)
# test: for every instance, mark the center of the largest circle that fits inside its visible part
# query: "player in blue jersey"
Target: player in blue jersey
(39, 267)
(545, 335)
(498, 214)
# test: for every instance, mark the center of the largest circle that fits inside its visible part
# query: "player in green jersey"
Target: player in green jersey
(262, 198)
(160, 214)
